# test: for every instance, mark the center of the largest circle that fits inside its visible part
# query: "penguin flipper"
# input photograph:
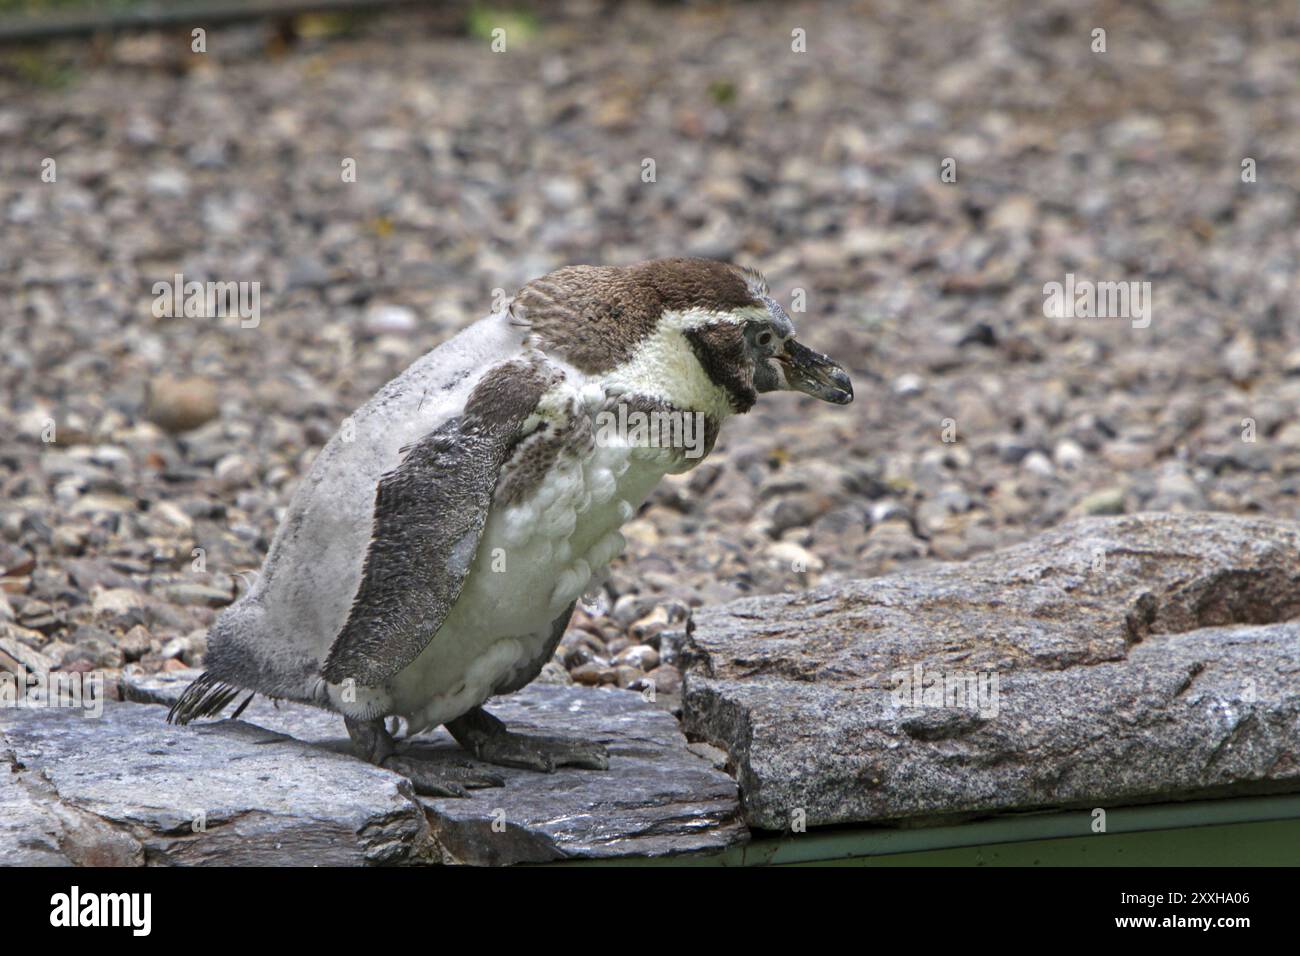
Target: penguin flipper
(429, 516)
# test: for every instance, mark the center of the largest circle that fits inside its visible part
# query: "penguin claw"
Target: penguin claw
(372, 742)
(569, 752)
(436, 779)
(544, 754)
(487, 739)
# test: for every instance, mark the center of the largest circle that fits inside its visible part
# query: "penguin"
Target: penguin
(432, 556)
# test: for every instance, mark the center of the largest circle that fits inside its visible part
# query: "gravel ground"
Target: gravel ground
(178, 441)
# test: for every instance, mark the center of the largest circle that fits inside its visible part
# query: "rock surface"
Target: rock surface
(1141, 658)
(28, 829)
(276, 787)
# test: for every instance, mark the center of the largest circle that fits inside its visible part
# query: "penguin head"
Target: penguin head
(670, 327)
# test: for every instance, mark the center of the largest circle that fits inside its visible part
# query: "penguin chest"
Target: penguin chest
(539, 552)
(543, 550)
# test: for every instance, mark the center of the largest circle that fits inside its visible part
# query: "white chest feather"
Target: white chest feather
(535, 558)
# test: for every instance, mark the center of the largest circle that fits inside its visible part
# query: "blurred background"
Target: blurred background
(912, 175)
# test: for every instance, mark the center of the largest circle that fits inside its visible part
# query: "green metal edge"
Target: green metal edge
(1240, 831)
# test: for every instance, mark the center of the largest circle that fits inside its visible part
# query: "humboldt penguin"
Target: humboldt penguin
(432, 556)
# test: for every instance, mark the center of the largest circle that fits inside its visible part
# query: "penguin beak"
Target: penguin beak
(814, 374)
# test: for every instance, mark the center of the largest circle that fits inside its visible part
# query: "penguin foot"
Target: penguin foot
(432, 779)
(372, 742)
(487, 739)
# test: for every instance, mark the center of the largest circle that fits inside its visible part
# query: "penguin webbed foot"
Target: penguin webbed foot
(487, 739)
(372, 742)
(436, 779)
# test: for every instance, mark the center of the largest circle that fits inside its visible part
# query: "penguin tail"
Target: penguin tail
(206, 697)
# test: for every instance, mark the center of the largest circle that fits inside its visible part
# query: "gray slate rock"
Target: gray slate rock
(1141, 658)
(278, 787)
(29, 829)
(263, 798)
